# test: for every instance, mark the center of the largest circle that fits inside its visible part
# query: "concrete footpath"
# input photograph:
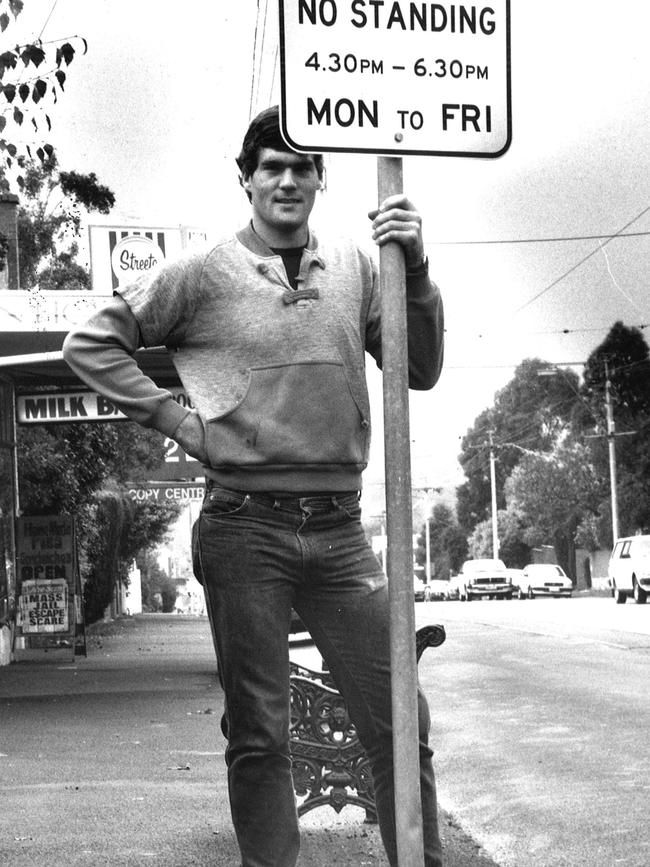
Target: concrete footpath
(117, 759)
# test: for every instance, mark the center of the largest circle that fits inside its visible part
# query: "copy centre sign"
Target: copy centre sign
(396, 77)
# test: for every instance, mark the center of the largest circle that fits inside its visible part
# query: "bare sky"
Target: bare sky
(158, 106)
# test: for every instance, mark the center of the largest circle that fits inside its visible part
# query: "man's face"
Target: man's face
(282, 189)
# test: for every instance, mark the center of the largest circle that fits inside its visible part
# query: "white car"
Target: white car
(483, 579)
(437, 588)
(544, 579)
(629, 569)
(515, 576)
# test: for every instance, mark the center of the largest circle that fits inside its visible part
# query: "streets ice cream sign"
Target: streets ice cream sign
(133, 257)
(119, 255)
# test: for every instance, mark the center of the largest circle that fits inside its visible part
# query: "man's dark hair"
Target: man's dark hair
(264, 132)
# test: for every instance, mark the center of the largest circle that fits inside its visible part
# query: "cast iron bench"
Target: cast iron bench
(329, 765)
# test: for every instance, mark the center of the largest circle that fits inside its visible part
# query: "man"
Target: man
(268, 331)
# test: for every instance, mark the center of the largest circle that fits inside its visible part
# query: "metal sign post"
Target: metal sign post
(399, 531)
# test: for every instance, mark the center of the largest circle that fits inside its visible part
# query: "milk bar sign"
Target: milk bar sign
(73, 406)
(396, 77)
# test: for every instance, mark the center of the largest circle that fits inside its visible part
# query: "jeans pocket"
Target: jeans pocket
(222, 501)
(351, 506)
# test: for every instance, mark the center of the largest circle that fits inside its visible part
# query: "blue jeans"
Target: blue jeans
(257, 557)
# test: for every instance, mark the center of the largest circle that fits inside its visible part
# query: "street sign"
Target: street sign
(396, 77)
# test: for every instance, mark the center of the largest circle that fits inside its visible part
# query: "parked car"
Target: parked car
(418, 589)
(516, 577)
(483, 578)
(436, 589)
(544, 579)
(453, 587)
(629, 569)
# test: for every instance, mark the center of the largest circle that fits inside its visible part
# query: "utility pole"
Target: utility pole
(493, 487)
(611, 443)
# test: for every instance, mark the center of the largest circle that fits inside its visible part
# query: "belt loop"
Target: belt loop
(304, 508)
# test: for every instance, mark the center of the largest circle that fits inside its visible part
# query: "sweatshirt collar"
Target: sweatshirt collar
(252, 241)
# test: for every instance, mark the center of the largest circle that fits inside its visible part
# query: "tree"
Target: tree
(82, 470)
(513, 550)
(119, 531)
(625, 358)
(473, 497)
(479, 544)
(448, 545)
(552, 493)
(158, 589)
(32, 78)
(532, 412)
(61, 465)
(624, 355)
(536, 416)
(49, 220)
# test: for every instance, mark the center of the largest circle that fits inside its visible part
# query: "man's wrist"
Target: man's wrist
(418, 270)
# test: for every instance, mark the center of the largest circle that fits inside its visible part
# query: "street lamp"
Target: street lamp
(428, 490)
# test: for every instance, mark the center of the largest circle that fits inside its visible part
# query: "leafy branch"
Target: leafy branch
(23, 99)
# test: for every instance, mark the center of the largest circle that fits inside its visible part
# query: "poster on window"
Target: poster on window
(44, 606)
(47, 587)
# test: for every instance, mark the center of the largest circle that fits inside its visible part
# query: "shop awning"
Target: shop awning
(31, 359)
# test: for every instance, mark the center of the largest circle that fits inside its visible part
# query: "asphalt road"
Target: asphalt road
(541, 716)
(540, 724)
(116, 760)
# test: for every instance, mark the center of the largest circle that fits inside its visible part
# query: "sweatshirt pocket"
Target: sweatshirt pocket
(291, 414)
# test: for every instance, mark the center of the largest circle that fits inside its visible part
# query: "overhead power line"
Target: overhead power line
(261, 57)
(252, 92)
(47, 20)
(551, 240)
(640, 326)
(581, 262)
(511, 366)
(258, 56)
(497, 331)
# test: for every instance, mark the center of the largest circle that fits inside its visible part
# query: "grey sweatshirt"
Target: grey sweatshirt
(276, 375)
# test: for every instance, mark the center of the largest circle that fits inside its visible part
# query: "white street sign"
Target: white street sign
(396, 77)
